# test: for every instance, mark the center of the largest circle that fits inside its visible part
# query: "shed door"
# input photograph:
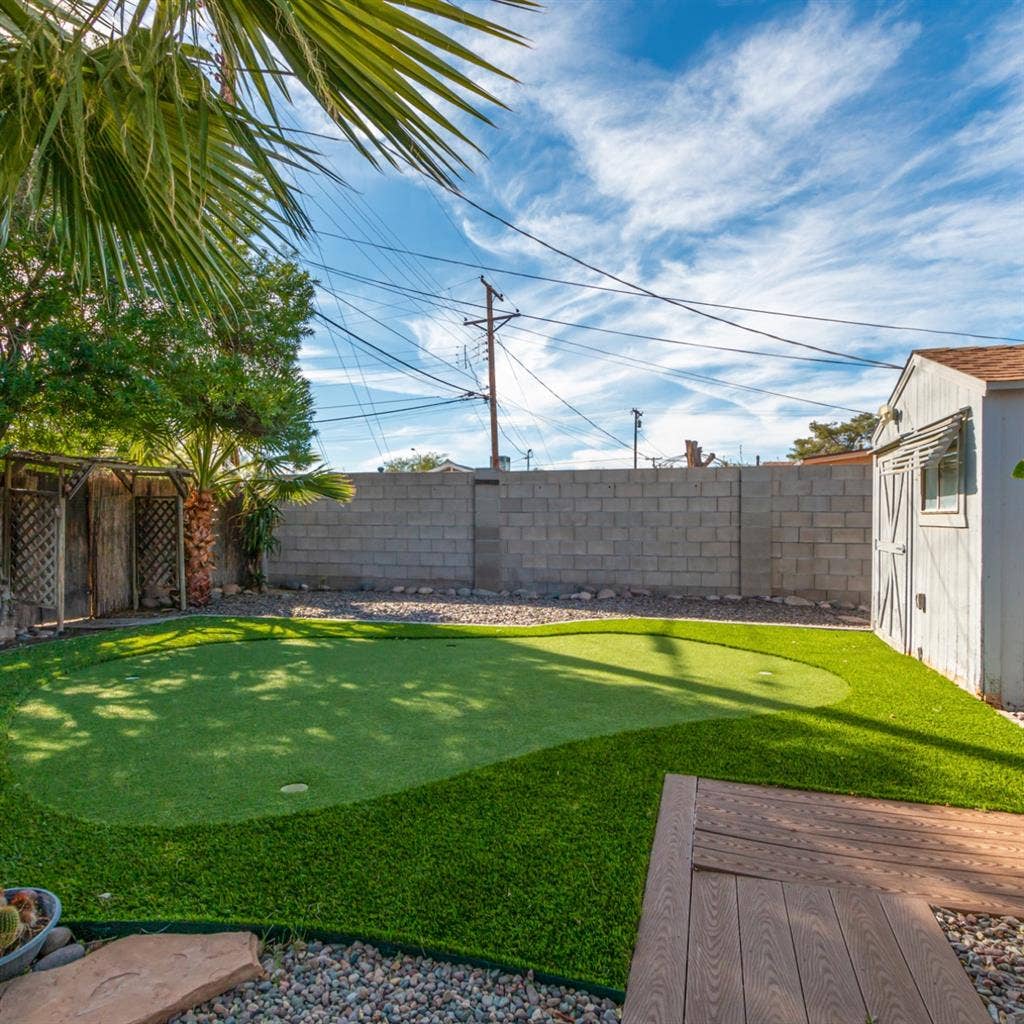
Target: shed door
(892, 559)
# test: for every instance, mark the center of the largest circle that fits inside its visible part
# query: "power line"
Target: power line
(664, 298)
(392, 412)
(564, 402)
(759, 353)
(705, 378)
(689, 374)
(383, 401)
(692, 302)
(397, 359)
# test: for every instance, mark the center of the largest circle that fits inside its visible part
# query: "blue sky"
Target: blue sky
(858, 161)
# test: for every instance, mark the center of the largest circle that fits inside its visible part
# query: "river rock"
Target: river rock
(58, 958)
(58, 937)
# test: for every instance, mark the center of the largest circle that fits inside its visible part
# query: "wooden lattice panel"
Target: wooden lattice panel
(34, 548)
(156, 542)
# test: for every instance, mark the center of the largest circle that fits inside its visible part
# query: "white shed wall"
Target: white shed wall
(1003, 548)
(945, 561)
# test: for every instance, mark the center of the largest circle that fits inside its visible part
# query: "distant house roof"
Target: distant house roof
(861, 455)
(450, 467)
(984, 362)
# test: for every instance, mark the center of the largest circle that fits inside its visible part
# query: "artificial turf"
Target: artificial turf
(536, 861)
(211, 733)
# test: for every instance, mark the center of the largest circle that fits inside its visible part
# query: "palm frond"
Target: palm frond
(145, 173)
(150, 173)
(300, 488)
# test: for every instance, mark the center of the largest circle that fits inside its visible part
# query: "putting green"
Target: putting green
(212, 733)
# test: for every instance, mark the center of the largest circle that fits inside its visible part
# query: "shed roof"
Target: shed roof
(985, 362)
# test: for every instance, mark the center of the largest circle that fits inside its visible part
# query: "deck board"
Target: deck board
(829, 983)
(885, 980)
(658, 971)
(768, 905)
(714, 991)
(771, 981)
(942, 982)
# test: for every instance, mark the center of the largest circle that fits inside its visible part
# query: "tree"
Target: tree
(241, 419)
(150, 135)
(420, 462)
(61, 350)
(221, 396)
(832, 438)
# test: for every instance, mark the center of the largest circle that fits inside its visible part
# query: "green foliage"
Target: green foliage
(1018, 470)
(538, 861)
(115, 119)
(10, 927)
(63, 351)
(416, 463)
(832, 438)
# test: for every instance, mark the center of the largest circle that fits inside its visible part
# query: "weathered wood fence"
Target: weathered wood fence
(86, 538)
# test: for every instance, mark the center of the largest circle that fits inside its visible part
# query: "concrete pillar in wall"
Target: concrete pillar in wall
(486, 542)
(755, 531)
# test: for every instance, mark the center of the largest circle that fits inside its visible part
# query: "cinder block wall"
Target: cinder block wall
(821, 532)
(784, 530)
(664, 529)
(401, 528)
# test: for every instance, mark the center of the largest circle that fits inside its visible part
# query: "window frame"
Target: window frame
(956, 517)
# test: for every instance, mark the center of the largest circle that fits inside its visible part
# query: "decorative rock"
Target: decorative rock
(425, 590)
(582, 595)
(303, 586)
(59, 957)
(605, 594)
(366, 586)
(150, 603)
(639, 592)
(483, 592)
(464, 592)
(712, 597)
(321, 984)
(733, 597)
(398, 590)
(143, 979)
(825, 604)
(230, 589)
(798, 602)
(58, 937)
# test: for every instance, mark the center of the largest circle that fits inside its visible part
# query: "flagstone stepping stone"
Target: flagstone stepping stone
(142, 979)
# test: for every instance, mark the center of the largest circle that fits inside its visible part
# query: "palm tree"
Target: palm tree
(149, 132)
(223, 468)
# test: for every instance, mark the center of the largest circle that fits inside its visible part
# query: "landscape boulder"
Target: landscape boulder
(142, 979)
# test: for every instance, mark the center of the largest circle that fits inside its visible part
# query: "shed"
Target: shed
(948, 518)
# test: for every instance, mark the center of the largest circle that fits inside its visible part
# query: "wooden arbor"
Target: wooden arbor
(34, 526)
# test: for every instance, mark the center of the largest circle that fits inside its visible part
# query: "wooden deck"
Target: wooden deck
(777, 906)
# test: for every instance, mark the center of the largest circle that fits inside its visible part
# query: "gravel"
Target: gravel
(321, 984)
(991, 950)
(448, 606)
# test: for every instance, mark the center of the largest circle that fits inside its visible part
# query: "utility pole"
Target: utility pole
(637, 423)
(491, 322)
(529, 455)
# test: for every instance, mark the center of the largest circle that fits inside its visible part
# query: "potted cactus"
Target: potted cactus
(26, 918)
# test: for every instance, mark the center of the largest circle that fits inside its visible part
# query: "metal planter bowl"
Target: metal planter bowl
(18, 960)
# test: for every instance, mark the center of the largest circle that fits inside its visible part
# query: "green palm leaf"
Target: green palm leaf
(113, 127)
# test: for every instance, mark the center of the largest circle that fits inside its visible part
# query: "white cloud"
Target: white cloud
(804, 165)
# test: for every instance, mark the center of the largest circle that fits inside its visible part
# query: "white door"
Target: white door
(892, 559)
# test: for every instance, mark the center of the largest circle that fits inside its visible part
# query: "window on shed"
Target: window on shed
(940, 483)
